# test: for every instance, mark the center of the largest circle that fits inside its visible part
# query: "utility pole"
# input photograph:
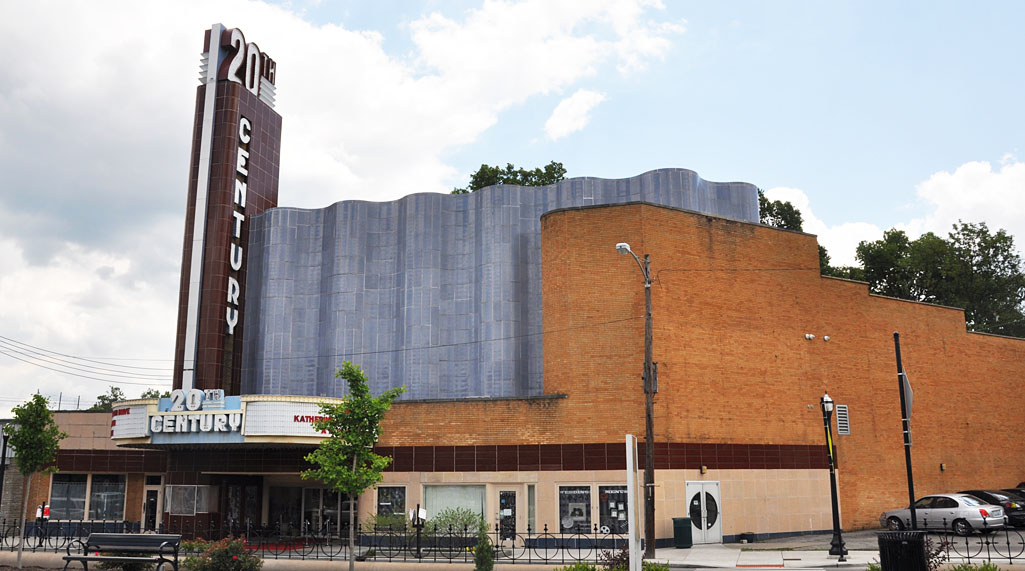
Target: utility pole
(649, 423)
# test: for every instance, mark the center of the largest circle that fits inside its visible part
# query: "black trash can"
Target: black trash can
(681, 533)
(902, 551)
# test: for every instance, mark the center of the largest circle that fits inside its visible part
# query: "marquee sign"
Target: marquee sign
(210, 417)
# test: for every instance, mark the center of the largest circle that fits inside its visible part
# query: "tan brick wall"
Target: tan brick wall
(85, 430)
(732, 303)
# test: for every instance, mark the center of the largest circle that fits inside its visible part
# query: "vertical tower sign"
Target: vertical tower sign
(236, 145)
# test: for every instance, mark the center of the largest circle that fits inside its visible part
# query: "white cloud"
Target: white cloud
(974, 192)
(840, 240)
(96, 119)
(572, 113)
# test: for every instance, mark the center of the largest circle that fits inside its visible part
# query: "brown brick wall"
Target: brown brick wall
(218, 363)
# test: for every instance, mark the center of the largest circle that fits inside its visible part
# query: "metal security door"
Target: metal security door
(704, 509)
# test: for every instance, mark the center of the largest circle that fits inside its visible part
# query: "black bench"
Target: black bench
(161, 549)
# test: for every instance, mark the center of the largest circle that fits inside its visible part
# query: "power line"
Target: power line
(29, 353)
(108, 381)
(15, 341)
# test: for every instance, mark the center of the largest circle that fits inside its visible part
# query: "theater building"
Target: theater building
(518, 331)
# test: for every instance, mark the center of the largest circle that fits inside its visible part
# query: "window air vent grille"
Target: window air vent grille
(843, 420)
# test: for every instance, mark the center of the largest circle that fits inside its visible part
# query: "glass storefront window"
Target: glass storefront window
(285, 509)
(311, 510)
(332, 519)
(206, 499)
(531, 508)
(612, 509)
(575, 509)
(439, 498)
(107, 497)
(391, 500)
(180, 500)
(67, 496)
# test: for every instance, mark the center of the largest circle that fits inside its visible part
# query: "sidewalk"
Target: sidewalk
(799, 552)
(735, 556)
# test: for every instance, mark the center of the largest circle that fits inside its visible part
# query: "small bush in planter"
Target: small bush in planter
(578, 566)
(483, 553)
(385, 522)
(458, 520)
(228, 554)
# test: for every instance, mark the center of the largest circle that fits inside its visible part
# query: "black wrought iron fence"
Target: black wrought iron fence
(959, 542)
(429, 543)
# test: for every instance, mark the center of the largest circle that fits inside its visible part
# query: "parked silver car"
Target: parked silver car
(959, 512)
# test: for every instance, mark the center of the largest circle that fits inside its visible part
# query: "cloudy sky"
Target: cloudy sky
(867, 115)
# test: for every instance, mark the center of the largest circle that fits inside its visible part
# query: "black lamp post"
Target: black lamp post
(649, 389)
(3, 465)
(837, 546)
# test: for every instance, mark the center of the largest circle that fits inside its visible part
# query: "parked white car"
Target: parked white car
(960, 513)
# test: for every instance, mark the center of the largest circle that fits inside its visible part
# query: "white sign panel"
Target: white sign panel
(276, 418)
(128, 422)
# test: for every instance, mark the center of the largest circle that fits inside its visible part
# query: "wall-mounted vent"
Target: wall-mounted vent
(843, 420)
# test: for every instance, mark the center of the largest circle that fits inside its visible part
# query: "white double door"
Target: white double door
(704, 507)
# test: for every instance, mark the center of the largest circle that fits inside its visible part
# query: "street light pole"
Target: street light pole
(649, 424)
(3, 465)
(837, 546)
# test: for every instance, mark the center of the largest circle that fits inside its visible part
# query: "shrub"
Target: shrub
(458, 519)
(615, 561)
(228, 554)
(654, 566)
(190, 546)
(390, 522)
(578, 566)
(874, 566)
(484, 553)
(974, 567)
(935, 553)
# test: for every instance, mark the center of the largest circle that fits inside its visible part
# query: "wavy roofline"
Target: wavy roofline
(495, 187)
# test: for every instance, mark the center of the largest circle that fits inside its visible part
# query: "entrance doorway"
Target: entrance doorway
(507, 514)
(242, 503)
(151, 505)
(312, 511)
(150, 518)
(704, 508)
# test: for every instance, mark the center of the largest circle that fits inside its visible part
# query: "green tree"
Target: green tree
(105, 402)
(487, 175)
(845, 272)
(35, 438)
(155, 394)
(345, 460)
(780, 214)
(972, 268)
